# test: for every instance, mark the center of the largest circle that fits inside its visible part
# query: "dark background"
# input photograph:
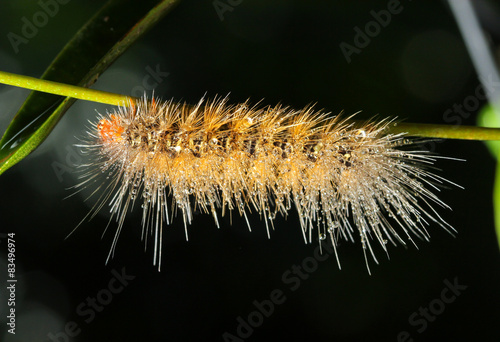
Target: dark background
(417, 68)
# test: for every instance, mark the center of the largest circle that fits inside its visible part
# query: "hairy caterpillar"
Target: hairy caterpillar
(215, 156)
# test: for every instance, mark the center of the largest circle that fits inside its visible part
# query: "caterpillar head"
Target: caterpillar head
(110, 130)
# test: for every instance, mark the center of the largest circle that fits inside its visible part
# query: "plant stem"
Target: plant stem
(422, 130)
(446, 131)
(64, 89)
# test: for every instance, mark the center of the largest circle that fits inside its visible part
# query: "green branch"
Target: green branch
(63, 89)
(446, 131)
(422, 130)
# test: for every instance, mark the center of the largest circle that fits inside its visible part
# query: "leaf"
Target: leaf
(117, 25)
(489, 117)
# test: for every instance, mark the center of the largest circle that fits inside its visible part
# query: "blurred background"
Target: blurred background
(414, 66)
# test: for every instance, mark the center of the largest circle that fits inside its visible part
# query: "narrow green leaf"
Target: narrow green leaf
(117, 25)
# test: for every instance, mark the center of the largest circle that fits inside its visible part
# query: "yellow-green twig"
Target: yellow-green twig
(447, 131)
(64, 89)
(422, 130)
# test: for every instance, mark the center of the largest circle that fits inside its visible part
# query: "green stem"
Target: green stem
(446, 131)
(422, 130)
(64, 89)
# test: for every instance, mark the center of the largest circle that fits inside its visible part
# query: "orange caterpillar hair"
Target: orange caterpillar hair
(341, 178)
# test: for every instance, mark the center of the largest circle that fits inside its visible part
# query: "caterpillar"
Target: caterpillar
(344, 178)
